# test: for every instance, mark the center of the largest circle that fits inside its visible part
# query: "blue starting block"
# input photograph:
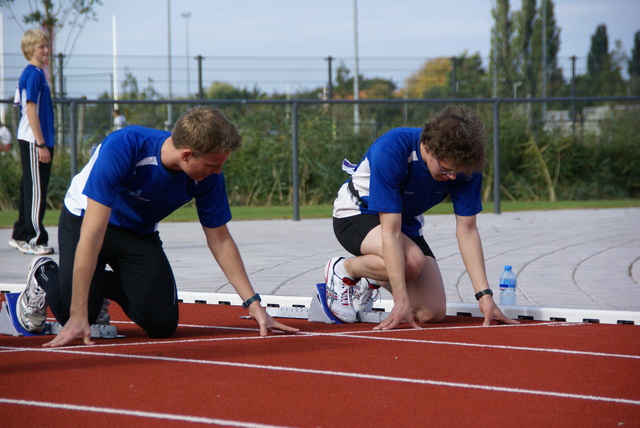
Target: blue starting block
(10, 325)
(319, 310)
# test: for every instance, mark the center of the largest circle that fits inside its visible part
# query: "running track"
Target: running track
(216, 370)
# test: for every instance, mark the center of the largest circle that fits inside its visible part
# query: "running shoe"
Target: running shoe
(32, 302)
(39, 250)
(103, 316)
(339, 292)
(364, 294)
(19, 245)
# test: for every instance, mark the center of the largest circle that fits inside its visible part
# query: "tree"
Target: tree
(225, 91)
(598, 57)
(603, 67)
(553, 73)
(525, 20)
(472, 80)
(433, 74)
(502, 59)
(52, 18)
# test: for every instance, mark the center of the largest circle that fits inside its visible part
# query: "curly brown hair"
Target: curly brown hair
(457, 136)
(205, 130)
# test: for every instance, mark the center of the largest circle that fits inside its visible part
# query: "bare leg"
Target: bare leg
(424, 281)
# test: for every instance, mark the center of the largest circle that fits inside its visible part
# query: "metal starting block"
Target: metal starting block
(98, 331)
(10, 325)
(319, 311)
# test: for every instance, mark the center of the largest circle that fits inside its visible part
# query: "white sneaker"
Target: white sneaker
(39, 250)
(103, 316)
(339, 292)
(364, 294)
(22, 246)
(32, 302)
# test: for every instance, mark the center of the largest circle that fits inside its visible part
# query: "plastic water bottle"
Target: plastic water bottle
(507, 287)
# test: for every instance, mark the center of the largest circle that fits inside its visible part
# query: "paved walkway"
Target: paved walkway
(582, 259)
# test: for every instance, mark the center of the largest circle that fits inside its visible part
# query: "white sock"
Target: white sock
(341, 271)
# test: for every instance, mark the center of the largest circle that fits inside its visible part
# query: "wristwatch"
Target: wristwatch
(41, 146)
(479, 294)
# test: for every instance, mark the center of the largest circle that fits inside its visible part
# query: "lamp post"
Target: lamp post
(186, 16)
(169, 106)
(356, 88)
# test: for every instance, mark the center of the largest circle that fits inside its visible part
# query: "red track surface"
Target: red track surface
(217, 370)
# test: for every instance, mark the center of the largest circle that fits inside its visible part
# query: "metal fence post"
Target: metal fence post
(496, 157)
(330, 80)
(295, 179)
(200, 89)
(73, 139)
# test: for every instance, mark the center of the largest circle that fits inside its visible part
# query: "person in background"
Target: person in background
(6, 139)
(36, 139)
(378, 217)
(110, 248)
(119, 120)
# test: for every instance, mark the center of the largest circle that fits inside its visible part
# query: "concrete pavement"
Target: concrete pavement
(581, 259)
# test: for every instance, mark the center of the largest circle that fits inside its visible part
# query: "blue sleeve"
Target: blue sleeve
(33, 85)
(212, 202)
(107, 174)
(466, 195)
(388, 170)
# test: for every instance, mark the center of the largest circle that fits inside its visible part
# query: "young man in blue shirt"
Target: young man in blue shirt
(378, 217)
(134, 179)
(36, 139)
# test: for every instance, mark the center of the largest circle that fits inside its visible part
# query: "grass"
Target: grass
(188, 212)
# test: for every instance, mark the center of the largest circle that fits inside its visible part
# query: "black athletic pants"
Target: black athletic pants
(33, 196)
(132, 270)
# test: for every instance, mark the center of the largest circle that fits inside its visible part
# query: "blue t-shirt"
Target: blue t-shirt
(392, 177)
(33, 86)
(126, 174)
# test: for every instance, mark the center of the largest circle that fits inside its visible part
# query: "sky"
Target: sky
(319, 28)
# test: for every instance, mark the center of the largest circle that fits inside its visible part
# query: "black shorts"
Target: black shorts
(351, 231)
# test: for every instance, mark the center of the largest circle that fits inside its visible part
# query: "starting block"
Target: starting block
(98, 331)
(319, 311)
(10, 325)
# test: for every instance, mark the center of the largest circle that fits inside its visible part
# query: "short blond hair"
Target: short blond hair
(205, 130)
(29, 41)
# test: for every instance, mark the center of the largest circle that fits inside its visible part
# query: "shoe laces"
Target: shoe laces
(367, 293)
(37, 302)
(345, 293)
(103, 316)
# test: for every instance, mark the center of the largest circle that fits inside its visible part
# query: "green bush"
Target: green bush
(536, 164)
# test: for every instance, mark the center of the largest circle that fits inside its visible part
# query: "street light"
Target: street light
(186, 16)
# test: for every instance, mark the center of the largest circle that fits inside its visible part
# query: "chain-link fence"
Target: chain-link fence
(96, 76)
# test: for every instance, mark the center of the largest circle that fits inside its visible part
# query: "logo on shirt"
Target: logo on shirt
(138, 195)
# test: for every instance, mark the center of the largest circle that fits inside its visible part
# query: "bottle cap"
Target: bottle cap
(507, 267)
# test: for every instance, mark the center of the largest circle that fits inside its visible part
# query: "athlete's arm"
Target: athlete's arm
(34, 123)
(94, 226)
(393, 254)
(226, 253)
(473, 257)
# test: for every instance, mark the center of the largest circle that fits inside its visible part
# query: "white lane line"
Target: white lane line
(482, 345)
(351, 335)
(138, 413)
(352, 375)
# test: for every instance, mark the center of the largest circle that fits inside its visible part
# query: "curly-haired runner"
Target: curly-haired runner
(378, 217)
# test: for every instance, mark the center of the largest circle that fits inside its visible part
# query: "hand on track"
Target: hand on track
(493, 313)
(73, 329)
(267, 323)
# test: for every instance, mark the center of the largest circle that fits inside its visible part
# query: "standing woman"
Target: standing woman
(36, 138)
